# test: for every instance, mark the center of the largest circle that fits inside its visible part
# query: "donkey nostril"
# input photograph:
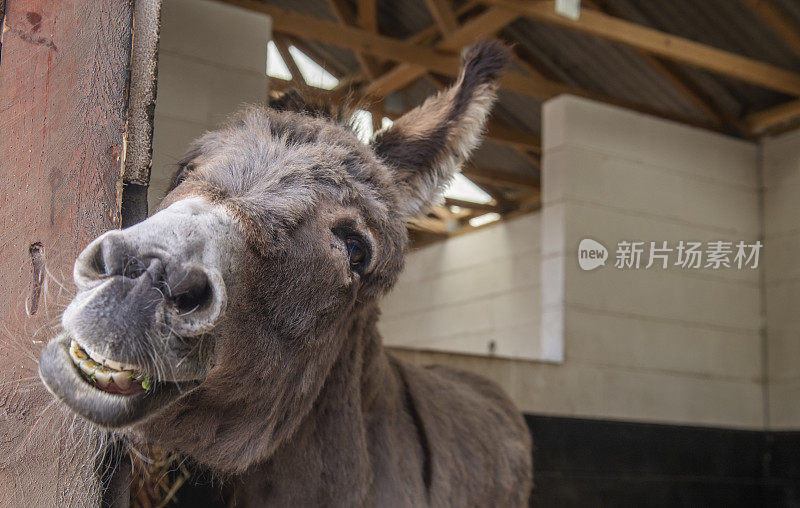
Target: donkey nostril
(192, 292)
(98, 263)
(133, 268)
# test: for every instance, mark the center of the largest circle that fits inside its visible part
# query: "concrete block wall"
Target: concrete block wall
(672, 345)
(781, 176)
(474, 294)
(212, 59)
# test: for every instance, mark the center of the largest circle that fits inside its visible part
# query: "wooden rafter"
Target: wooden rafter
(677, 78)
(483, 25)
(789, 32)
(300, 25)
(309, 27)
(500, 177)
(443, 15)
(282, 46)
(778, 21)
(427, 35)
(763, 120)
(319, 55)
(365, 18)
(479, 207)
(368, 15)
(521, 140)
(429, 224)
(662, 44)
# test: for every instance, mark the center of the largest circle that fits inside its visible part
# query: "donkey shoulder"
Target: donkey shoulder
(478, 445)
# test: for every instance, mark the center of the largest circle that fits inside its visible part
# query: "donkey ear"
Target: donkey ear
(427, 145)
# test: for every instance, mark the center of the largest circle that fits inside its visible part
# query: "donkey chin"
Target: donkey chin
(138, 334)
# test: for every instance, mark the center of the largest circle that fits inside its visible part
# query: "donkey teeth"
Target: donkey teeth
(122, 379)
(79, 353)
(114, 365)
(102, 377)
(104, 373)
(88, 367)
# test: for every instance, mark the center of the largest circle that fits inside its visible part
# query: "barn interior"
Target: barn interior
(649, 379)
(618, 120)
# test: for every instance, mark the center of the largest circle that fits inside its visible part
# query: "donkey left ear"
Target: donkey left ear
(427, 145)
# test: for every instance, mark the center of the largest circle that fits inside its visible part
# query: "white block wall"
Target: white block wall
(212, 59)
(781, 173)
(670, 345)
(475, 294)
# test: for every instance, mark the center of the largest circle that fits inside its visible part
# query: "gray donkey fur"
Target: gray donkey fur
(286, 387)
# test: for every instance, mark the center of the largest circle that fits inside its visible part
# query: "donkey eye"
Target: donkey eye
(182, 173)
(355, 249)
(358, 249)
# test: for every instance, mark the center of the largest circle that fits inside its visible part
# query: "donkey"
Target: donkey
(237, 325)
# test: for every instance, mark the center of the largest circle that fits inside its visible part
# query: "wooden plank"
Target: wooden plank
(779, 21)
(662, 44)
(63, 118)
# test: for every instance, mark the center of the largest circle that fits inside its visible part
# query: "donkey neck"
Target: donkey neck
(337, 451)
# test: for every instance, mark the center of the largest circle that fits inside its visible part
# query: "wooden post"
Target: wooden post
(64, 76)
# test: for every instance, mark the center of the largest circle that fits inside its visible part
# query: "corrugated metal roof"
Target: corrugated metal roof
(724, 24)
(600, 66)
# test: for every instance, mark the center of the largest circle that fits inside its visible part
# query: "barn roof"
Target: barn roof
(728, 65)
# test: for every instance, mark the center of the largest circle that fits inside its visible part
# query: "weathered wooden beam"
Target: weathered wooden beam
(662, 44)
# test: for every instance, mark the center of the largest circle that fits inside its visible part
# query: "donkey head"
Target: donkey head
(213, 325)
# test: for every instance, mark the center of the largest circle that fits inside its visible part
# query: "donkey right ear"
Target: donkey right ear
(426, 146)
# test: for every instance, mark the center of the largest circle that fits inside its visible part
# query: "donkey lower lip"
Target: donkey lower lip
(63, 378)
